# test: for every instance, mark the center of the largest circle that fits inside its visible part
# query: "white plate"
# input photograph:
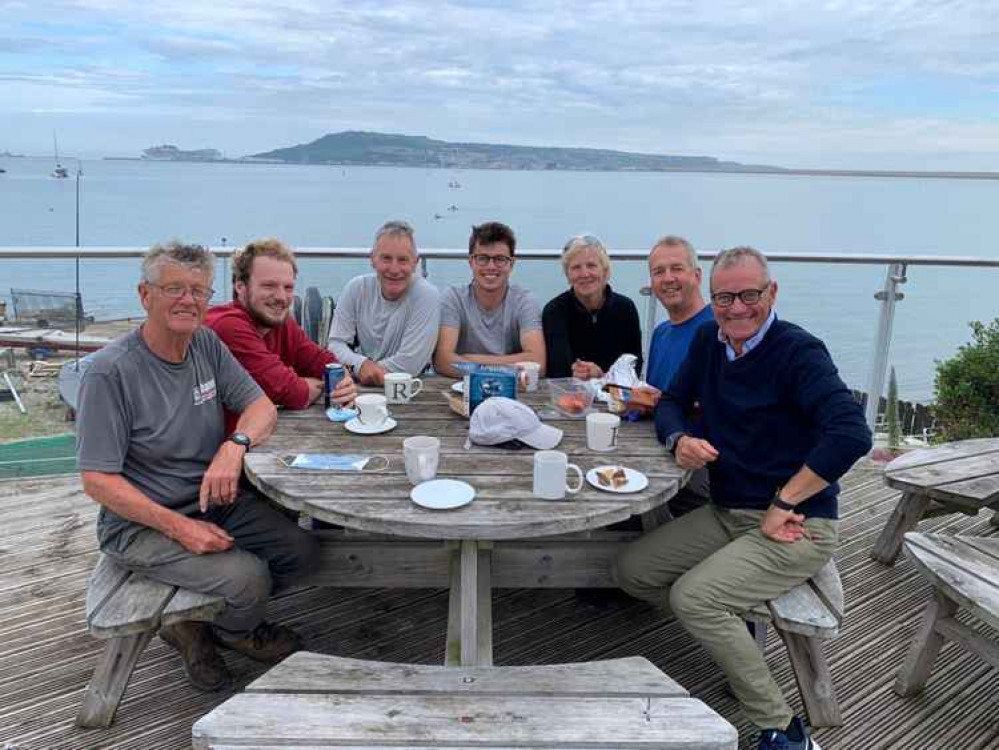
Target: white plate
(359, 428)
(441, 494)
(637, 481)
(458, 386)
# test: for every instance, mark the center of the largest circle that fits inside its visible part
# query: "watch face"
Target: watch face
(240, 439)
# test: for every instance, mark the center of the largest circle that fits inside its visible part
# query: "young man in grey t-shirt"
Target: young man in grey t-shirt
(153, 451)
(489, 321)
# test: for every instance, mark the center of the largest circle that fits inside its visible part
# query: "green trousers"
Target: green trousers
(711, 566)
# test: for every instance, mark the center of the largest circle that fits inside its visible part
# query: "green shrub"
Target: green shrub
(967, 387)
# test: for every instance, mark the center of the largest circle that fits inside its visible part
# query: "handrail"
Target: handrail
(896, 266)
(879, 259)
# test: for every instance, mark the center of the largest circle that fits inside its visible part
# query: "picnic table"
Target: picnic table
(504, 538)
(958, 477)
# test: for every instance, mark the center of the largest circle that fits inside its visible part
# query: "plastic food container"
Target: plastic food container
(570, 396)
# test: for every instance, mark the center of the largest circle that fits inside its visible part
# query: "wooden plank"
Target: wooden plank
(951, 480)
(110, 678)
(106, 578)
(802, 611)
(307, 672)
(191, 605)
(925, 647)
(468, 591)
(134, 607)
(942, 454)
(906, 516)
(466, 721)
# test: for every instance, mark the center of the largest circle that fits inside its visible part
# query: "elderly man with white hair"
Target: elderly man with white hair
(589, 326)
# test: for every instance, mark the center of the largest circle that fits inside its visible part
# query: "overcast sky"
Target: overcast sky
(840, 84)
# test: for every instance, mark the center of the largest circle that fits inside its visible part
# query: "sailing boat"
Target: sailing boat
(60, 172)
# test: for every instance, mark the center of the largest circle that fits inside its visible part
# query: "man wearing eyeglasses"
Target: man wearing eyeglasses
(387, 321)
(489, 321)
(153, 451)
(263, 336)
(779, 429)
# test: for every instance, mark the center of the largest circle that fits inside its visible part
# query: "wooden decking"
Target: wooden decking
(46, 655)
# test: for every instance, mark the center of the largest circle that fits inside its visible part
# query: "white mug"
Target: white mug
(550, 481)
(401, 386)
(372, 409)
(528, 374)
(421, 454)
(601, 431)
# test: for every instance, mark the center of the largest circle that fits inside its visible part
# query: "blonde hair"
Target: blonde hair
(583, 242)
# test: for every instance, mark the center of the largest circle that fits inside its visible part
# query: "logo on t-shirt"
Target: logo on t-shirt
(204, 392)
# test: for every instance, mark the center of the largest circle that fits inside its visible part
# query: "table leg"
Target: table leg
(904, 518)
(470, 620)
(925, 646)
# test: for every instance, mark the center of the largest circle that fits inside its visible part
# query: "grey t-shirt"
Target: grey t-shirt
(400, 335)
(495, 332)
(157, 423)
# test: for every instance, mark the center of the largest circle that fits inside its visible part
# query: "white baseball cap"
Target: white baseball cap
(498, 420)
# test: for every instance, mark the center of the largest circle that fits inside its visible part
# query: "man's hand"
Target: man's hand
(222, 478)
(693, 453)
(586, 370)
(202, 537)
(783, 525)
(371, 373)
(345, 391)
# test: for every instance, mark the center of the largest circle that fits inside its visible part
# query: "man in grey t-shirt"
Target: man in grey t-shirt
(387, 321)
(153, 451)
(489, 321)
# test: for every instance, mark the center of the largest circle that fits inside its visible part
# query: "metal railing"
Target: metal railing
(896, 268)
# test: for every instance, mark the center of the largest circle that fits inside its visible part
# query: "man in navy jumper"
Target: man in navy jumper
(779, 428)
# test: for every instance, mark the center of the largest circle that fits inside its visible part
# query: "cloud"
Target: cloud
(768, 79)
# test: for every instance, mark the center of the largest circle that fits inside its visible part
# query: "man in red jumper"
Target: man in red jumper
(260, 332)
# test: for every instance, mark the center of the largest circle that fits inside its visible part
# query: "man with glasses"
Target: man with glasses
(779, 429)
(387, 321)
(489, 321)
(153, 451)
(263, 336)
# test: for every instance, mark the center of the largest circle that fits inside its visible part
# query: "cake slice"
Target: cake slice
(612, 476)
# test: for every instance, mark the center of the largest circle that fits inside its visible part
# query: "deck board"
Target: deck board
(46, 553)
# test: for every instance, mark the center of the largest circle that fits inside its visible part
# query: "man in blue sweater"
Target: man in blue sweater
(779, 428)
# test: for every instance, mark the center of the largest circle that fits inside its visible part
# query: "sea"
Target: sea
(138, 203)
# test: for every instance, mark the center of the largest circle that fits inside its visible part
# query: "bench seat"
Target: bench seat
(312, 700)
(127, 610)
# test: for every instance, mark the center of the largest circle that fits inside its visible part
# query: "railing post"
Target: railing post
(650, 324)
(888, 296)
(423, 266)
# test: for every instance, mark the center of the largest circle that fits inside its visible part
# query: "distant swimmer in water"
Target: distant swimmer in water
(438, 216)
(452, 207)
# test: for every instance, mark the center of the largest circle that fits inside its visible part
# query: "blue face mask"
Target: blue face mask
(330, 461)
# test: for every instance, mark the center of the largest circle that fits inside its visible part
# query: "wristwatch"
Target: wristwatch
(672, 440)
(241, 438)
(782, 504)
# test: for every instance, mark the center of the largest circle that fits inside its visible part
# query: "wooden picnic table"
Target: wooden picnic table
(959, 477)
(504, 538)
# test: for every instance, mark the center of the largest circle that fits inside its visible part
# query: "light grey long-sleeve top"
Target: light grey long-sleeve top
(400, 335)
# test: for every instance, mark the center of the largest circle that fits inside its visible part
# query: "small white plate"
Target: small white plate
(458, 386)
(441, 494)
(359, 428)
(637, 481)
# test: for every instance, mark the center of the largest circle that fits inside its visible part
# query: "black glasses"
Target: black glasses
(177, 291)
(747, 296)
(500, 261)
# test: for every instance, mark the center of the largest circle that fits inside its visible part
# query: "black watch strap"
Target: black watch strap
(673, 440)
(241, 438)
(778, 503)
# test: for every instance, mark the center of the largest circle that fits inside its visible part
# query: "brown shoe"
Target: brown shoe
(193, 640)
(267, 643)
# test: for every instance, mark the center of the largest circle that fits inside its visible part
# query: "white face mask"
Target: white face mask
(332, 461)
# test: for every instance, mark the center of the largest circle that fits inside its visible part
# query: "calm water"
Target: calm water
(138, 203)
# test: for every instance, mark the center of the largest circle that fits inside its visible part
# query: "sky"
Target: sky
(843, 84)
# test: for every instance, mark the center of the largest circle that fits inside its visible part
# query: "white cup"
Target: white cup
(421, 454)
(550, 480)
(601, 431)
(528, 374)
(372, 409)
(401, 386)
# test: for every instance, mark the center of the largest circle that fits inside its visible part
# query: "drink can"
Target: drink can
(332, 375)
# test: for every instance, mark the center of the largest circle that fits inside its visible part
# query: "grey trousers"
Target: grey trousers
(270, 552)
(709, 567)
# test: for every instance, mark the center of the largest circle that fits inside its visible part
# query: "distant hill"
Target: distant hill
(364, 148)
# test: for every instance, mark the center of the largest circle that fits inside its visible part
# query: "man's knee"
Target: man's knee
(246, 579)
(686, 598)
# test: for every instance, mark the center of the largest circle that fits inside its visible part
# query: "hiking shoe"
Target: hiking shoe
(267, 643)
(193, 641)
(795, 737)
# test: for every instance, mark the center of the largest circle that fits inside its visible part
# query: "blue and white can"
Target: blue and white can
(332, 375)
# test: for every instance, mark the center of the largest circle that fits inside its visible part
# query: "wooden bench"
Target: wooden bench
(804, 617)
(127, 610)
(312, 701)
(964, 572)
